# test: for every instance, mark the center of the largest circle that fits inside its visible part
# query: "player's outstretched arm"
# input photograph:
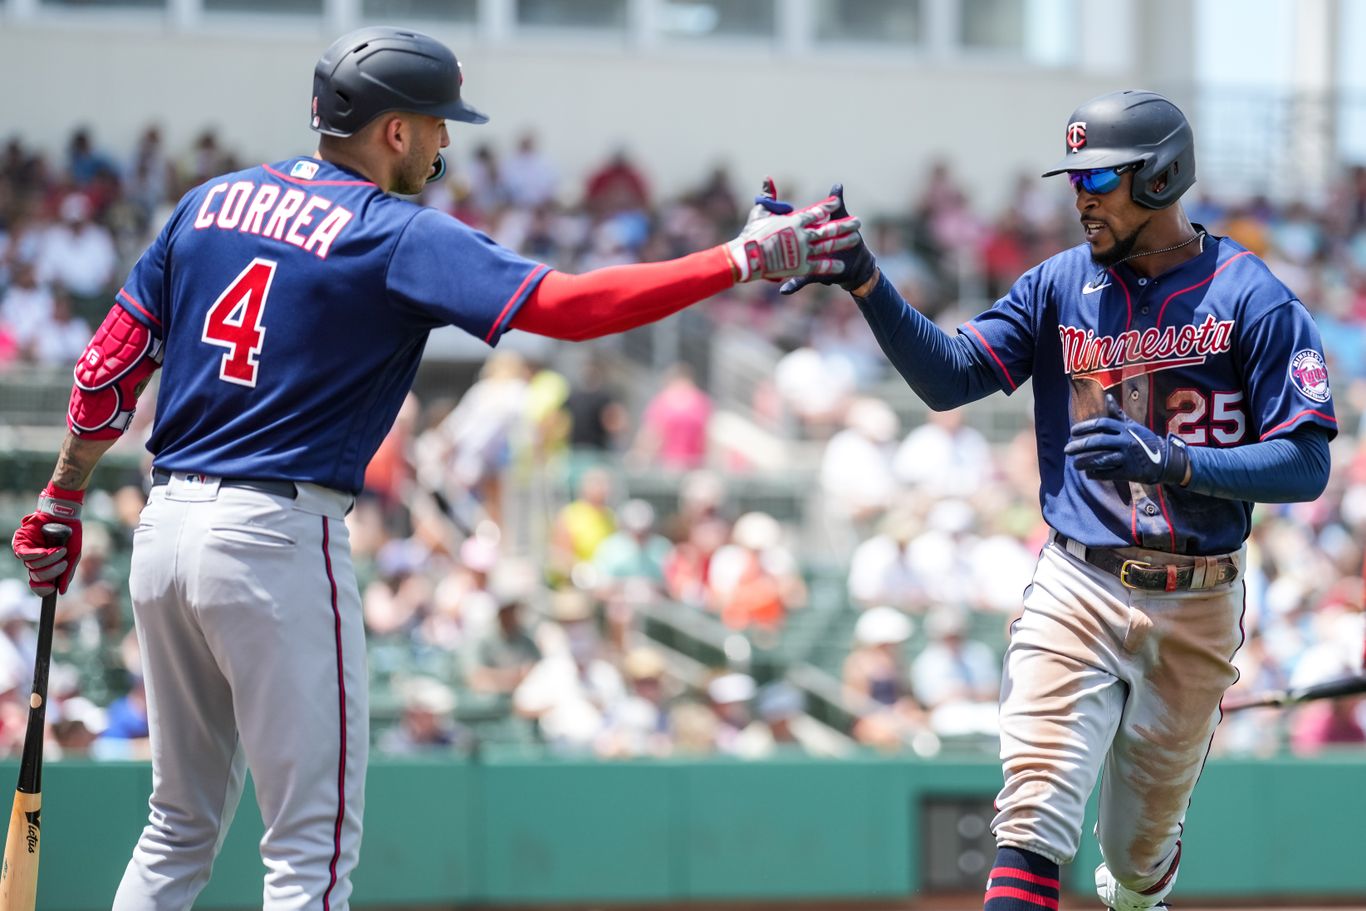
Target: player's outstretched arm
(773, 245)
(944, 370)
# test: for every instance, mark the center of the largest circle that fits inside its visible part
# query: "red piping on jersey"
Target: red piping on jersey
(1171, 529)
(1284, 424)
(321, 183)
(1024, 875)
(1022, 895)
(1128, 302)
(141, 309)
(1203, 281)
(341, 713)
(994, 356)
(516, 296)
(1133, 521)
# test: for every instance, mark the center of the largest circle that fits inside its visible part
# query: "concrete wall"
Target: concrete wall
(872, 121)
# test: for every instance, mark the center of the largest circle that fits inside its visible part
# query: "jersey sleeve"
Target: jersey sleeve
(143, 295)
(1285, 373)
(450, 274)
(1004, 335)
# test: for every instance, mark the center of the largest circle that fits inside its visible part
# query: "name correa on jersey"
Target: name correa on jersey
(265, 211)
(1110, 358)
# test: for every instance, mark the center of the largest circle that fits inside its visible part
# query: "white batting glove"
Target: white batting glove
(778, 246)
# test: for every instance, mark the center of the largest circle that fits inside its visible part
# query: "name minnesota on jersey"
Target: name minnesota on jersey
(1086, 353)
(266, 212)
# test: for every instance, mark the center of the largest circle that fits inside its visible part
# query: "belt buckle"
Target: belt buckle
(1124, 573)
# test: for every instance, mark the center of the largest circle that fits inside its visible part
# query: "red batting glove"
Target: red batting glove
(50, 568)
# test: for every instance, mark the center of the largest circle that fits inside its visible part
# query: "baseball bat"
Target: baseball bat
(19, 875)
(1329, 689)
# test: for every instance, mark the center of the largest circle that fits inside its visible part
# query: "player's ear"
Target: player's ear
(394, 132)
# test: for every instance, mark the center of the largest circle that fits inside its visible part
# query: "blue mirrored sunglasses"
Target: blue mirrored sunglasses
(1099, 180)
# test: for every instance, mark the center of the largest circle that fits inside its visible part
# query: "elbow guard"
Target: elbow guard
(116, 364)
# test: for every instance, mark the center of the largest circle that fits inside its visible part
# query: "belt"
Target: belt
(1192, 575)
(284, 489)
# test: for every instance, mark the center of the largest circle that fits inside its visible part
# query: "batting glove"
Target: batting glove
(50, 568)
(1118, 448)
(776, 245)
(859, 264)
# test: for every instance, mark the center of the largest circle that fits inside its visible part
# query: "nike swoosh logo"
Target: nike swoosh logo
(1154, 457)
(1089, 288)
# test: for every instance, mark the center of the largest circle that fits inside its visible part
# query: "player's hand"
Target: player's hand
(1118, 448)
(50, 568)
(777, 244)
(859, 264)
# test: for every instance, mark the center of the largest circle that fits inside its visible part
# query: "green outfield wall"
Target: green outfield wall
(544, 831)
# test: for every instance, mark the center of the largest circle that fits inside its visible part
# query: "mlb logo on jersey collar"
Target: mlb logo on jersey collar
(305, 169)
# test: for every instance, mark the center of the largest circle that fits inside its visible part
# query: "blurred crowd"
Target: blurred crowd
(510, 575)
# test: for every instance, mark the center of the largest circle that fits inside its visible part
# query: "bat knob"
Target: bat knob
(56, 534)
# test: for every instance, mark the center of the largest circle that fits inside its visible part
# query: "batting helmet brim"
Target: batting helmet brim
(464, 113)
(1092, 159)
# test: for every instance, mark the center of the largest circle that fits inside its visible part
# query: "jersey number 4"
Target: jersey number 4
(234, 322)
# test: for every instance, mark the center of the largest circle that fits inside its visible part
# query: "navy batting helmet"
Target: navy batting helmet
(1133, 128)
(372, 71)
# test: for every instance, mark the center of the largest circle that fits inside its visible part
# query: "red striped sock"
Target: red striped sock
(1022, 881)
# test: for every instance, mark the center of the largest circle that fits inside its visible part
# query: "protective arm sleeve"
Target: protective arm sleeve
(1288, 469)
(618, 298)
(944, 370)
(110, 376)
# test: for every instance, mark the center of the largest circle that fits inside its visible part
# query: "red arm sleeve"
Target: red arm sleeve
(617, 298)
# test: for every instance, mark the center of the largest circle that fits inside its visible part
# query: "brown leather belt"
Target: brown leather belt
(1191, 574)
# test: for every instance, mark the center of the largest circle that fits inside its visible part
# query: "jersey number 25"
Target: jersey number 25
(1189, 408)
(234, 322)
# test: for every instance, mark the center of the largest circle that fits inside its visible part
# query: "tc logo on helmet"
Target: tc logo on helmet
(1076, 135)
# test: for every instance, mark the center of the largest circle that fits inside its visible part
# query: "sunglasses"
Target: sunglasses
(1100, 180)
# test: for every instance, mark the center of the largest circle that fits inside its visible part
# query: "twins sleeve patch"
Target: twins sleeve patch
(1310, 375)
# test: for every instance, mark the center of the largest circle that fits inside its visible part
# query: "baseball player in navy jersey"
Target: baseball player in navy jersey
(1176, 382)
(287, 307)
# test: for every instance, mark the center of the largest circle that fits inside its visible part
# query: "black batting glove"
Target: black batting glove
(859, 264)
(1118, 448)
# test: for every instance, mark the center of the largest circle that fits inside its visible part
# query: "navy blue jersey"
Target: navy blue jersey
(1216, 351)
(294, 301)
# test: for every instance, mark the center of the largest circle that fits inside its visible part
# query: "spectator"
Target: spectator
(943, 456)
(814, 389)
(856, 468)
(529, 178)
(583, 524)
(572, 690)
(882, 571)
(61, 341)
(754, 579)
(597, 416)
(730, 695)
(634, 552)
(26, 307)
(673, 433)
(150, 178)
(502, 657)
(875, 683)
(84, 163)
(78, 254)
(427, 725)
(618, 186)
(957, 679)
(640, 724)
(475, 441)
(780, 707)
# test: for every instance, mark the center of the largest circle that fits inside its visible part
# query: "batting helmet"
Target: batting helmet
(375, 70)
(1133, 128)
